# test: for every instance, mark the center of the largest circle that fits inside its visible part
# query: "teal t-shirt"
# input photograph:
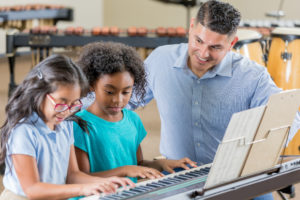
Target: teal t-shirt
(110, 144)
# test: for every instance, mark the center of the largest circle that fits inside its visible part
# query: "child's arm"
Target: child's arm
(164, 164)
(28, 175)
(77, 176)
(128, 170)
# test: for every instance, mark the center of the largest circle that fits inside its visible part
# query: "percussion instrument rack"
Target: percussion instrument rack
(65, 14)
(39, 42)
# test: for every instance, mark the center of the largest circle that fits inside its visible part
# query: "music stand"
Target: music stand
(254, 139)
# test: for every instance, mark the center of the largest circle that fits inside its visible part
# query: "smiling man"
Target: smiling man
(199, 85)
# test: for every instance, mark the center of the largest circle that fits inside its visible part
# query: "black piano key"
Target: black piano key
(196, 171)
(181, 177)
(192, 174)
(156, 184)
(206, 169)
(128, 192)
(160, 184)
(123, 195)
(186, 176)
(137, 190)
(111, 197)
(200, 173)
(171, 180)
(152, 185)
(165, 182)
(175, 179)
(144, 188)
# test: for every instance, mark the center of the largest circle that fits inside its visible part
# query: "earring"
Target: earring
(39, 74)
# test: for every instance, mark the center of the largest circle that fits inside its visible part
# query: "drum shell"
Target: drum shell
(284, 72)
(294, 145)
(251, 49)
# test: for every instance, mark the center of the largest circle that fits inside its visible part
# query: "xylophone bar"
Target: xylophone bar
(28, 40)
(16, 40)
(57, 14)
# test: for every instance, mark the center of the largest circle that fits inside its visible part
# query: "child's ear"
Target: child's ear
(92, 89)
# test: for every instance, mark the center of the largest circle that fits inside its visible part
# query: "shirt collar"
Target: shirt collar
(224, 68)
(181, 61)
(41, 125)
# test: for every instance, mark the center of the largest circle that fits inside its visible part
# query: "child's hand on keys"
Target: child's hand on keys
(121, 182)
(169, 165)
(142, 172)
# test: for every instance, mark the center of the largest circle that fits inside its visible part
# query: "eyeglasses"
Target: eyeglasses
(63, 107)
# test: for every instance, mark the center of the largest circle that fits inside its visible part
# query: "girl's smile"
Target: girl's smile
(64, 94)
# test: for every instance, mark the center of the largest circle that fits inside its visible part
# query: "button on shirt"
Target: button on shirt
(195, 111)
(50, 148)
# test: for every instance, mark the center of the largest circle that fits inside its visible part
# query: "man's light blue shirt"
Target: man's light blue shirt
(50, 148)
(194, 111)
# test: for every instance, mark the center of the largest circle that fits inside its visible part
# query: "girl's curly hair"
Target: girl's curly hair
(102, 58)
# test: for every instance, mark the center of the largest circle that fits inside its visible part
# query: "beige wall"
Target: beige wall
(152, 13)
(256, 9)
(149, 13)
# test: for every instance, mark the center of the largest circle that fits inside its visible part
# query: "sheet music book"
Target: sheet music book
(254, 139)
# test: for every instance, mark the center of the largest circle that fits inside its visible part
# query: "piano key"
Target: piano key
(144, 188)
(160, 184)
(192, 174)
(187, 176)
(137, 190)
(166, 182)
(128, 192)
(175, 179)
(153, 185)
(182, 178)
(124, 195)
(111, 197)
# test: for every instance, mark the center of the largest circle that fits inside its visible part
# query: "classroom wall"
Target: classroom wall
(153, 13)
(150, 13)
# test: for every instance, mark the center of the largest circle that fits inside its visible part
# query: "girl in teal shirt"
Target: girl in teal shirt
(109, 143)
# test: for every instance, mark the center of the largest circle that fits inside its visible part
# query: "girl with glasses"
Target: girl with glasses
(110, 143)
(37, 137)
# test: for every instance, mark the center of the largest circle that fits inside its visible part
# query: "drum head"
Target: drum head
(287, 34)
(248, 35)
(286, 31)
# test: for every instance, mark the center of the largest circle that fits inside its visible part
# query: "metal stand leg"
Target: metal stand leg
(289, 190)
(282, 195)
(12, 84)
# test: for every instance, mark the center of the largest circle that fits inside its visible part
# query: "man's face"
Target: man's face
(206, 48)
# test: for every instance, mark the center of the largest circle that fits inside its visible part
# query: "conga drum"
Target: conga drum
(284, 67)
(294, 146)
(284, 57)
(249, 45)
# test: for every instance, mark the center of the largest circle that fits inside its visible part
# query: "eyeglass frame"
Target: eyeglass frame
(66, 106)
